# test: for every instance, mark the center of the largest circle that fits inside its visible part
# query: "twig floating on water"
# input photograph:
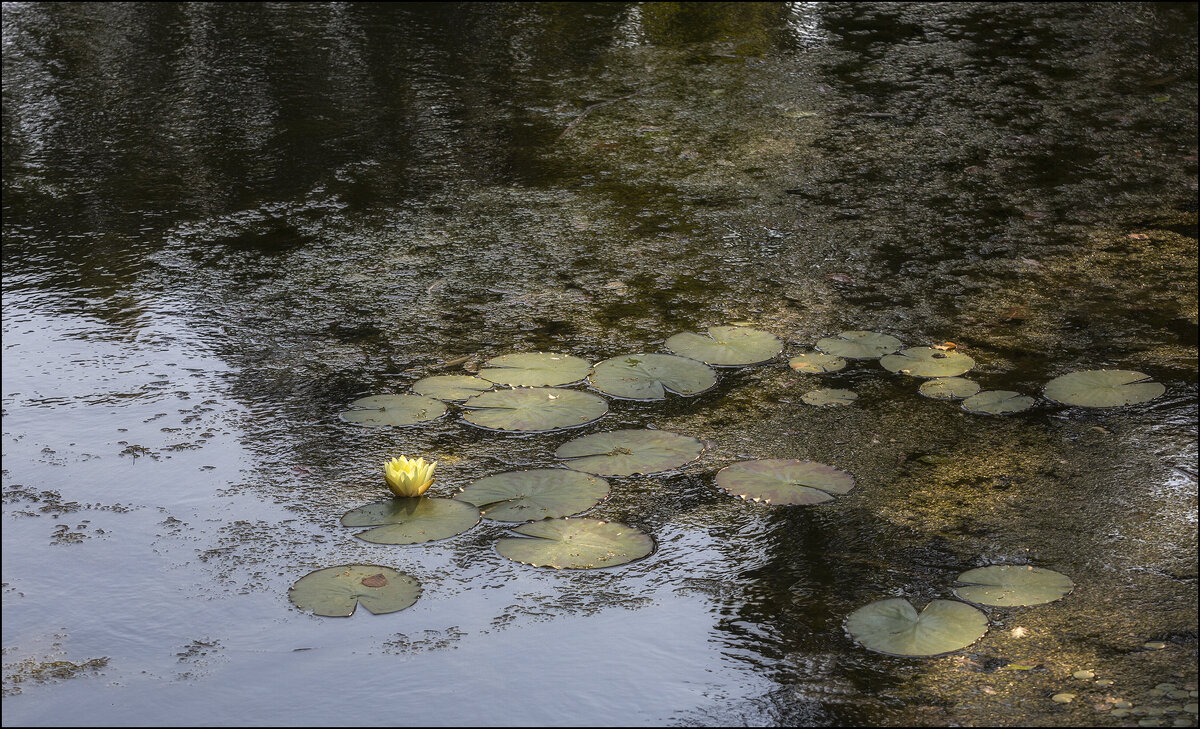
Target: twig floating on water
(575, 122)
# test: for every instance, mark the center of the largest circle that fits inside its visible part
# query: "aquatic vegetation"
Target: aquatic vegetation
(412, 521)
(575, 544)
(927, 362)
(816, 363)
(394, 410)
(451, 387)
(535, 494)
(829, 397)
(1013, 585)
(949, 388)
(539, 369)
(894, 627)
(336, 591)
(651, 376)
(408, 477)
(784, 481)
(859, 345)
(629, 452)
(533, 409)
(1103, 388)
(997, 402)
(727, 346)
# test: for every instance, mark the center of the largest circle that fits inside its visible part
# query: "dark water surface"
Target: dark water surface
(222, 223)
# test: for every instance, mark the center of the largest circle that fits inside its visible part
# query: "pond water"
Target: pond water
(223, 223)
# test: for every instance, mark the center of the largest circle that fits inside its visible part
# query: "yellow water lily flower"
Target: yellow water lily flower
(408, 477)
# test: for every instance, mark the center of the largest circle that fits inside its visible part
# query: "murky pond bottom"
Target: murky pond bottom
(225, 223)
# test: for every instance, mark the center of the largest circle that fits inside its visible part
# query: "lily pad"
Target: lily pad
(894, 627)
(626, 452)
(927, 362)
(336, 591)
(727, 346)
(451, 387)
(536, 494)
(784, 481)
(1009, 585)
(650, 376)
(378, 410)
(1103, 388)
(816, 363)
(825, 397)
(575, 544)
(997, 402)
(949, 388)
(532, 409)
(859, 345)
(535, 369)
(412, 521)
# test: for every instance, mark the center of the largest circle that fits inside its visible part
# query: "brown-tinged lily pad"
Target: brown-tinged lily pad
(816, 363)
(383, 410)
(533, 409)
(784, 481)
(651, 376)
(727, 346)
(412, 521)
(927, 362)
(535, 369)
(894, 627)
(540, 493)
(859, 345)
(452, 388)
(628, 452)
(829, 397)
(1103, 388)
(575, 544)
(336, 591)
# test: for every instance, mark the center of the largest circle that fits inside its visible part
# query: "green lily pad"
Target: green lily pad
(575, 544)
(536, 369)
(451, 387)
(894, 627)
(336, 591)
(997, 402)
(412, 521)
(379, 410)
(540, 493)
(816, 363)
(859, 345)
(532, 409)
(927, 362)
(626, 452)
(949, 388)
(1010, 585)
(784, 481)
(727, 346)
(650, 376)
(825, 397)
(1103, 388)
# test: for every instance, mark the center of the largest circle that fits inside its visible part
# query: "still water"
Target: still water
(223, 223)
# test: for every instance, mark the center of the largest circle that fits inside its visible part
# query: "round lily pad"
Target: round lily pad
(784, 481)
(1010, 585)
(394, 410)
(927, 362)
(536, 494)
(826, 397)
(535, 369)
(894, 627)
(727, 346)
(532, 409)
(451, 387)
(949, 388)
(336, 591)
(859, 345)
(816, 363)
(997, 402)
(575, 544)
(650, 376)
(1103, 388)
(626, 452)
(412, 521)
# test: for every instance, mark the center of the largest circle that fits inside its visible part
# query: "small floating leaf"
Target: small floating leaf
(626, 452)
(532, 409)
(1103, 388)
(1063, 698)
(816, 363)
(927, 362)
(393, 410)
(997, 402)
(451, 387)
(949, 388)
(727, 346)
(1009, 585)
(536, 494)
(650, 376)
(575, 544)
(826, 397)
(412, 521)
(784, 481)
(894, 627)
(1083, 673)
(859, 345)
(336, 591)
(537, 369)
